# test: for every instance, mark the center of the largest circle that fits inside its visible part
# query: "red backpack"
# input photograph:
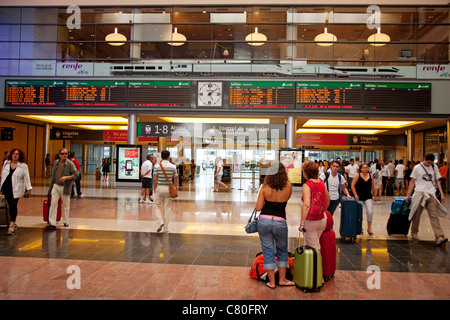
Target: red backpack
(258, 272)
(317, 200)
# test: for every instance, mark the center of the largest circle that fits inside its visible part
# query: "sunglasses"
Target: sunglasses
(63, 153)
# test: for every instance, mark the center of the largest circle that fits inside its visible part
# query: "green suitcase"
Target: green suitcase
(308, 269)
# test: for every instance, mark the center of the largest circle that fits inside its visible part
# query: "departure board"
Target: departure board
(96, 93)
(170, 94)
(34, 93)
(329, 95)
(410, 97)
(262, 94)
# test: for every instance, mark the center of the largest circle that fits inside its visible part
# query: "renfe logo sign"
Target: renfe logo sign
(75, 68)
(433, 71)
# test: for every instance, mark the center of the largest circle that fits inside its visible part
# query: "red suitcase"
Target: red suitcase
(46, 209)
(328, 249)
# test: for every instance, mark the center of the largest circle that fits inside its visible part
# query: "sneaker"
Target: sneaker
(148, 201)
(66, 225)
(160, 227)
(81, 196)
(414, 236)
(441, 240)
(142, 200)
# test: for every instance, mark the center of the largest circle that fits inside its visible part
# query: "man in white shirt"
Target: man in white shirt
(352, 170)
(425, 178)
(335, 184)
(385, 173)
(147, 180)
(400, 177)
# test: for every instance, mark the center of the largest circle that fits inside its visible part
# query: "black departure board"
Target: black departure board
(96, 93)
(329, 95)
(159, 94)
(262, 94)
(34, 93)
(410, 97)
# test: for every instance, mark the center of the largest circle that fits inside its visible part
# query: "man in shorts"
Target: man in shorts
(400, 177)
(147, 181)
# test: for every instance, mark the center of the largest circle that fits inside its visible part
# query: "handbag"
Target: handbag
(252, 224)
(172, 188)
(437, 193)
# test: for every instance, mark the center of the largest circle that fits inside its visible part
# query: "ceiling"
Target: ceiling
(429, 122)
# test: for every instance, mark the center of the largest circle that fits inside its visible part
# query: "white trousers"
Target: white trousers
(162, 202)
(57, 192)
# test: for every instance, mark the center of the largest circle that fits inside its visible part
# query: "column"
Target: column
(291, 127)
(47, 145)
(291, 36)
(132, 129)
(410, 145)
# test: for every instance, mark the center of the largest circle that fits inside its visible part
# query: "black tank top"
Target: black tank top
(364, 188)
(277, 209)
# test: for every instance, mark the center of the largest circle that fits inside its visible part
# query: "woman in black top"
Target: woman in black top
(364, 190)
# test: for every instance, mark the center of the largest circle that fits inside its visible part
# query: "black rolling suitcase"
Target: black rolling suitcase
(4, 213)
(398, 222)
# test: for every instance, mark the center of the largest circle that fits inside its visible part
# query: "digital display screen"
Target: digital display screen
(159, 94)
(34, 93)
(96, 93)
(408, 97)
(329, 95)
(262, 94)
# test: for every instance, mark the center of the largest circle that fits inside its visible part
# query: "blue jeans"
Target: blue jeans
(273, 233)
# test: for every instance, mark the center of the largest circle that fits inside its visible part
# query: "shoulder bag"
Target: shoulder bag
(172, 188)
(252, 224)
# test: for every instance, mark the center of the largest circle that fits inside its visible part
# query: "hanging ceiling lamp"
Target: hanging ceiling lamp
(325, 39)
(256, 38)
(178, 37)
(114, 38)
(378, 39)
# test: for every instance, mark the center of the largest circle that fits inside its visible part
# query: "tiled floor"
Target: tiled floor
(206, 254)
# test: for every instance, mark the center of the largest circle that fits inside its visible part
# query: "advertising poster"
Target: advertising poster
(128, 163)
(292, 159)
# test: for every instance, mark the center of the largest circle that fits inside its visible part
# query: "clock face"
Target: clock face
(210, 93)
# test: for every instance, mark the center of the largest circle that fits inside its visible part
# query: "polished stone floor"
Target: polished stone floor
(112, 239)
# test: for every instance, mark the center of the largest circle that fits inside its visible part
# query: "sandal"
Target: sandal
(12, 228)
(288, 284)
(269, 286)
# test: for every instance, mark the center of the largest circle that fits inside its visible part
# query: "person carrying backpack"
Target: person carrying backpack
(335, 184)
(315, 201)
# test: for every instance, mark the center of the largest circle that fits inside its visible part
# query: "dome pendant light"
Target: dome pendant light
(378, 39)
(180, 38)
(114, 38)
(256, 39)
(324, 38)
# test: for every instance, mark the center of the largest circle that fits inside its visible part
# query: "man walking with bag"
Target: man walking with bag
(163, 174)
(425, 178)
(64, 173)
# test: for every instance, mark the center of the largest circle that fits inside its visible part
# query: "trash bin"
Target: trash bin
(98, 174)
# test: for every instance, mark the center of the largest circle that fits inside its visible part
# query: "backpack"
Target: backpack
(317, 203)
(258, 272)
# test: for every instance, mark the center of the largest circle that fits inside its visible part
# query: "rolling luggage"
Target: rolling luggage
(398, 222)
(46, 208)
(308, 269)
(4, 213)
(328, 249)
(351, 219)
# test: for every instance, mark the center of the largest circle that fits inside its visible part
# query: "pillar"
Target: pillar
(47, 145)
(132, 129)
(410, 145)
(291, 127)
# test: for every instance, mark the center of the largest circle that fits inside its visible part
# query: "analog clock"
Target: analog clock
(210, 94)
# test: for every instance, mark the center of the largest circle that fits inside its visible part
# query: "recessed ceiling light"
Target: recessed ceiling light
(341, 131)
(345, 123)
(215, 120)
